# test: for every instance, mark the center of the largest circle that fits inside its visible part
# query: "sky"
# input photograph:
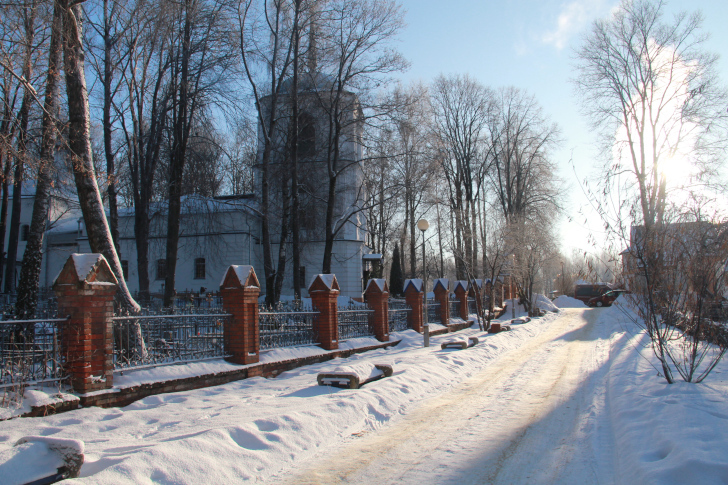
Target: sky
(530, 44)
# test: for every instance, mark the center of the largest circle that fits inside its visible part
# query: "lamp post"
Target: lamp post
(513, 300)
(423, 225)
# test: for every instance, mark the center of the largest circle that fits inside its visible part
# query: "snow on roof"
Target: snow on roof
(461, 283)
(85, 263)
(381, 283)
(372, 257)
(242, 271)
(415, 282)
(441, 281)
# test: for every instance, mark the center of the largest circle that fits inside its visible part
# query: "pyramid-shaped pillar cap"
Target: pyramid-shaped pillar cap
(462, 285)
(86, 270)
(413, 284)
(442, 284)
(378, 285)
(240, 276)
(324, 282)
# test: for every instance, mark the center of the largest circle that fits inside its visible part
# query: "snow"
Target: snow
(380, 283)
(416, 282)
(242, 271)
(545, 303)
(362, 370)
(441, 281)
(34, 398)
(28, 462)
(461, 283)
(326, 279)
(604, 417)
(564, 301)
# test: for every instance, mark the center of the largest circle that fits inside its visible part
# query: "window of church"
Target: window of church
(161, 269)
(200, 268)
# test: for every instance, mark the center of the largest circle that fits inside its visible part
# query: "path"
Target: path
(536, 416)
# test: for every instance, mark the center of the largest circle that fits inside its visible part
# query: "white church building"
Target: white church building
(218, 232)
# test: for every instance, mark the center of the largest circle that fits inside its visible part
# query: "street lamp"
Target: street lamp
(423, 225)
(513, 300)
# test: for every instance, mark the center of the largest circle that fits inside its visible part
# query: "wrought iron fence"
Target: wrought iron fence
(286, 329)
(472, 306)
(454, 307)
(399, 312)
(30, 352)
(149, 340)
(354, 322)
(433, 311)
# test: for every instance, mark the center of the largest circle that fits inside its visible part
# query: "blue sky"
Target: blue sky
(530, 44)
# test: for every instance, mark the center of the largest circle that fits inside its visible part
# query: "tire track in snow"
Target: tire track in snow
(525, 418)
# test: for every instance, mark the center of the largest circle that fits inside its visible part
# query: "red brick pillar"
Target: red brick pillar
(377, 297)
(461, 292)
(441, 289)
(85, 290)
(324, 292)
(414, 296)
(240, 291)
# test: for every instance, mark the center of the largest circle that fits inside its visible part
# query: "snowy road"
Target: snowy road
(533, 416)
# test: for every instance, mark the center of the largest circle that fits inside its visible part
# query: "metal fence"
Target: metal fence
(472, 306)
(433, 311)
(286, 328)
(150, 340)
(399, 312)
(354, 322)
(30, 352)
(454, 307)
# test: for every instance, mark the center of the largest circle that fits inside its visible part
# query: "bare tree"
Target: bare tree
(461, 107)
(651, 91)
(33, 256)
(521, 138)
(79, 143)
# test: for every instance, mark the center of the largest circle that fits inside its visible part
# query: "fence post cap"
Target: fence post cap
(377, 285)
(414, 283)
(324, 282)
(86, 269)
(239, 276)
(461, 285)
(442, 283)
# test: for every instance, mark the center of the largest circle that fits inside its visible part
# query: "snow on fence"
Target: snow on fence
(354, 323)
(30, 352)
(149, 340)
(399, 314)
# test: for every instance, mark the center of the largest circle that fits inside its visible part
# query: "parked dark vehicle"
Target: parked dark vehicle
(605, 299)
(587, 292)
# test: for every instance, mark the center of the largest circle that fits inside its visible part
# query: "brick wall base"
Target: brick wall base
(126, 396)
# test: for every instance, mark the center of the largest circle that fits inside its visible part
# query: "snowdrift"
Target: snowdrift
(568, 302)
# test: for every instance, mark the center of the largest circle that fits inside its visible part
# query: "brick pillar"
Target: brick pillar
(377, 297)
(461, 292)
(85, 290)
(441, 288)
(324, 292)
(240, 291)
(414, 296)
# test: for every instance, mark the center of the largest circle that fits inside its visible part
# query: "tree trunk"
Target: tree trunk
(33, 257)
(79, 142)
(108, 151)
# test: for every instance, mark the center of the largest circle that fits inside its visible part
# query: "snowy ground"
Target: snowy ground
(568, 398)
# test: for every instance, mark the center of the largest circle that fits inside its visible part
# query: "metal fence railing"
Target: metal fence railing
(354, 322)
(399, 312)
(150, 340)
(30, 352)
(472, 306)
(454, 307)
(286, 329)
(433, 311)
